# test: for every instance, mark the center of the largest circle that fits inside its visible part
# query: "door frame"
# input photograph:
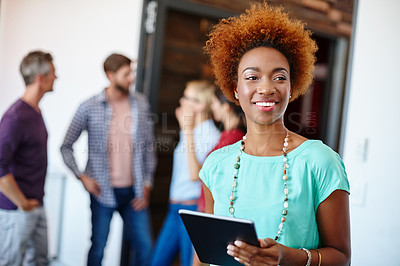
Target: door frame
(151, 44)
(151, 54)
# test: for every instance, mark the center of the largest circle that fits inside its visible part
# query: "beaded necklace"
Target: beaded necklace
(285, 178)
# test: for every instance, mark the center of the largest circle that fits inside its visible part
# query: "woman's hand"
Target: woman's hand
(269, 252)
(185, 116)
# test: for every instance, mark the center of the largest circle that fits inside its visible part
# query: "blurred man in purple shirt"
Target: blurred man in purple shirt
(23, 164)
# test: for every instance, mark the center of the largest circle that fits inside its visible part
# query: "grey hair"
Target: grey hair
(33, 64)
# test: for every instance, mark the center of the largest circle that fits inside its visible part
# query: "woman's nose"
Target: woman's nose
(266, 88)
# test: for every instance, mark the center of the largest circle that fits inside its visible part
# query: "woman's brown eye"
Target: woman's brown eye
(281, 78)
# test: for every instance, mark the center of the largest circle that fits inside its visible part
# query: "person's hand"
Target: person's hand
(269, 252)
(139, 204)
(29, 205)
(185, 116)
(90, 185)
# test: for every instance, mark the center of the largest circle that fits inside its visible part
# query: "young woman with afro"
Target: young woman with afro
(294, 189)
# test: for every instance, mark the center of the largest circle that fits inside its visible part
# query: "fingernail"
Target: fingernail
(230, 252)
(238, 243)
(230, 247)
(236, 258)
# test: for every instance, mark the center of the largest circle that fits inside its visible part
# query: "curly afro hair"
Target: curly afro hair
(261, 25)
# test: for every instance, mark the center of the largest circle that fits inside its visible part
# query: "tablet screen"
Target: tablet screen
(211, 234)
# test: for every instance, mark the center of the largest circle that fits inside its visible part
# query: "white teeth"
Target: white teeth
(265, 104)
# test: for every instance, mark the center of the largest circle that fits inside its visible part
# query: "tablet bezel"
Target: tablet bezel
(211, 234)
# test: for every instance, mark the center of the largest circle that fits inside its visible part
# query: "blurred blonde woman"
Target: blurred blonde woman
(198, 136)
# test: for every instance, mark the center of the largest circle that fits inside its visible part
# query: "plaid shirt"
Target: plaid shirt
(94, 116)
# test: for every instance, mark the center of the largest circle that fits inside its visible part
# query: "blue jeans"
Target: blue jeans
(173, 237)
(137, 224)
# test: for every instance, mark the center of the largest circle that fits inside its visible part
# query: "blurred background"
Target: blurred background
(351, 106)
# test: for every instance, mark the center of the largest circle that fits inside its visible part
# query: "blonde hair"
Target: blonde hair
(205, 91)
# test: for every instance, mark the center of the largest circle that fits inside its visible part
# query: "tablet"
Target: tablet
(211, 234)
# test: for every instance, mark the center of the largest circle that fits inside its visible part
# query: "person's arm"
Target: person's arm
(185, 118)
(78, 125)
(11, 134)
(11, 190)
(194, 165)
(208, 199)
(334, 227)
(208, 209)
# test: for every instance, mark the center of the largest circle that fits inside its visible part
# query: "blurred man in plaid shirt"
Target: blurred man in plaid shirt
(121, 159)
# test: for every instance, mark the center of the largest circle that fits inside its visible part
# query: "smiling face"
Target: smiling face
(263, 85)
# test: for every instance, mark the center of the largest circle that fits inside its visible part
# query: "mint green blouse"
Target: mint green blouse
(314, 172)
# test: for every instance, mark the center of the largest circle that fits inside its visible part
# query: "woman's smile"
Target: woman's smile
(263, 86)
(266, 106)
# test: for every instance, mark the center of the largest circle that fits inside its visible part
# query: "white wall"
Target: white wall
(373, 116)
(80, 34)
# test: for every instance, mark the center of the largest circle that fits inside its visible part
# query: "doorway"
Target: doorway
(182, 60)
(173, 54)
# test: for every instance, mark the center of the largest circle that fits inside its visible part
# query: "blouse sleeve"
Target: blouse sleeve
(330, 176)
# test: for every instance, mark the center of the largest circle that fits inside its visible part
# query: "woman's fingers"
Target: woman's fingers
(267, 242)
(247, 254)
(244, 252)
